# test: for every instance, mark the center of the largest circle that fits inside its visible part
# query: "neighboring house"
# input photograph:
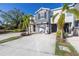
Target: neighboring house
(43, 19)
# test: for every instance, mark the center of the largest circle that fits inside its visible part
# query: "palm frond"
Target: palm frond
(75, 12)
(65, 7)
(26, 21)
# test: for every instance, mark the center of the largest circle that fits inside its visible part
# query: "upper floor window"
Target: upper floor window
(45, 15)
(68, 14)
(38, 16)
(42, 15)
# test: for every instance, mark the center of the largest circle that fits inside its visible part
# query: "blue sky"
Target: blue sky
(28, 8)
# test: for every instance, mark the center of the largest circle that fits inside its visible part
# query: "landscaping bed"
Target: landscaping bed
(10, 39)
(71, 52)
(4, 31)
(8, 31)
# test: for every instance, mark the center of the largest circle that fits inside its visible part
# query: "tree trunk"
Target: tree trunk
(28, 30)
(61, 38)
(62, 35)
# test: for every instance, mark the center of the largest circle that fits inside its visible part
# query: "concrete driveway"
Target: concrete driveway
(33, 45)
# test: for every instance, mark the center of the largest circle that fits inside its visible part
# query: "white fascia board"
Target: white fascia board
(56, 9)
(42, 8)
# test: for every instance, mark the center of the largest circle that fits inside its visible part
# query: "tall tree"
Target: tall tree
(25, 23)
(12, 17)
(1, 22)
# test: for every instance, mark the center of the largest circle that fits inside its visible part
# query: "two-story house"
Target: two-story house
(42, 19)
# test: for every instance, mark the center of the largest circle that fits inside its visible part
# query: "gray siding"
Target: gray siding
(42, 17)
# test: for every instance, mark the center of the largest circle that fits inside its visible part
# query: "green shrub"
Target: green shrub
(17, 30)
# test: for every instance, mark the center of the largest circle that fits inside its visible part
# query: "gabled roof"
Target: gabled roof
(42, 8)
(59, 8)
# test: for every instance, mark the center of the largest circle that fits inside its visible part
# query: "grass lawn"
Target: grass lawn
(10, 39)
(59, 52)
(8, 31)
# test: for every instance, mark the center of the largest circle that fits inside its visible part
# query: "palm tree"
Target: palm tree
(61, 20)
(25, 23)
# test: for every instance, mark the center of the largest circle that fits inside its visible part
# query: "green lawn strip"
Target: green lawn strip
(58, 51)
(10, 39)
(64, 53)
(70, 47)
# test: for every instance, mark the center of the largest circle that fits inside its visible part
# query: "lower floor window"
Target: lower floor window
(77, 23)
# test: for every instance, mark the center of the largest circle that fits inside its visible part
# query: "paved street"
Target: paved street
(7, 35)
(33, 45)
(75, 42)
